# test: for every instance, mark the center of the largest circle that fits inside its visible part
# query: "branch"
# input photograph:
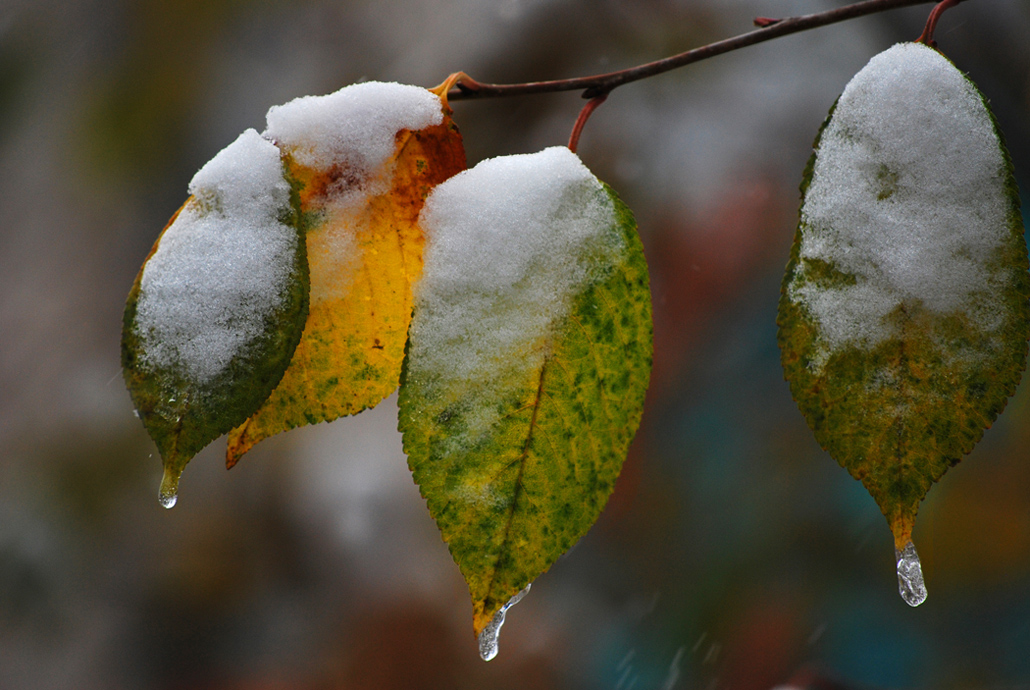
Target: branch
(601, 84)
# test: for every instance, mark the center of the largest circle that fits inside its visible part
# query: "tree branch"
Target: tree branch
(601, 84)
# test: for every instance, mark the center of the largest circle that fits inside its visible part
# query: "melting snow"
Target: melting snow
(354, 127)
(350, 134)
(223, 267)
(907, 195)
(509, 244)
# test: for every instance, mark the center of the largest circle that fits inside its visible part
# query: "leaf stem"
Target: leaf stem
(442, 90)
(931, 22)
(598, 84)
(584, 115)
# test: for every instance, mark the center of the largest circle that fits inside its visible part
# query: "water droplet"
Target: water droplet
(169, 492)
(488, 638)
(910, 575)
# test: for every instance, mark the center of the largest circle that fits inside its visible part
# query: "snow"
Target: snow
(223, 267)
(353, 128)
(352, 131)
(907, 195)
(509, 244)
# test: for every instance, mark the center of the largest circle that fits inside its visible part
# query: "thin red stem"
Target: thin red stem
(931, 22)
(603, 83)
(584, 115)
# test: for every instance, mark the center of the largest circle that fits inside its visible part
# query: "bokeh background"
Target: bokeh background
(734, 553)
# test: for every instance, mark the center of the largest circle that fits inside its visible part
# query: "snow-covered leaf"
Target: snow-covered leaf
(528, 358)
(365, 158)
(218, 307)
(903, 318)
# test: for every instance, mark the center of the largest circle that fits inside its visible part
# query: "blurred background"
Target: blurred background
(734, 553)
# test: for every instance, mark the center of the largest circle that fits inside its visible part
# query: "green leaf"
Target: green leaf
(218, 307)
(903, 319)
(516, 424)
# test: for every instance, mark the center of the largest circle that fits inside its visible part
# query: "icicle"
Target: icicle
(910, 575)
(488, 638)
(169, 493)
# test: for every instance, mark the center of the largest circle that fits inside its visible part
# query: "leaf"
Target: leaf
(360, 201)
(218, 306)
(528, 358)
(903, 320)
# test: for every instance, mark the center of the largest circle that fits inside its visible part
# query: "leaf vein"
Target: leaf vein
(518, 479)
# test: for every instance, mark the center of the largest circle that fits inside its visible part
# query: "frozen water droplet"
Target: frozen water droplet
(169, 492)
(488, 638)
(910, 575)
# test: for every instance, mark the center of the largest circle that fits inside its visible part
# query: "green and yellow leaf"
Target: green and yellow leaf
(904, 318)
(528, 360)
(217, 308)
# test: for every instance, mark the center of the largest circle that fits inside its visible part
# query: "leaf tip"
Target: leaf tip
(901, 527)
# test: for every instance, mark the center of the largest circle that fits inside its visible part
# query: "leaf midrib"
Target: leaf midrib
(518, 478)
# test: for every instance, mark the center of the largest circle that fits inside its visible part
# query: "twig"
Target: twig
(584, 114)
(931, 22)
(599, 84)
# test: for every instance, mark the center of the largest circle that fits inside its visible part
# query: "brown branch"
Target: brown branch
(600, 84)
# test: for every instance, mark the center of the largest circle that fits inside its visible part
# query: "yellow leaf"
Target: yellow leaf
(364, 254)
